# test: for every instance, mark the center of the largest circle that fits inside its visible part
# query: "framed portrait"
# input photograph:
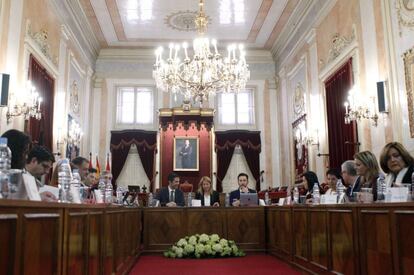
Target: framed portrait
(409, 85)
(186, 154)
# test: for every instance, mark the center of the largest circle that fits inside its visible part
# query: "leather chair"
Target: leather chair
(186, 187)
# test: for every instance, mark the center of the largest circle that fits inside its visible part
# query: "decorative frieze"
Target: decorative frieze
(41, 40)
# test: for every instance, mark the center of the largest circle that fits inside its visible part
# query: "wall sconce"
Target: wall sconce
(27, 109)
(73, 138)
(355, 112)
(313, 140)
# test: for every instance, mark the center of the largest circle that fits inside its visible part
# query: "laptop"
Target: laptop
(248, 199)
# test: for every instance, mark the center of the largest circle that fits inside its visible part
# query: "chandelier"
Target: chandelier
(355, 112)
(207, 72)
(28, 109)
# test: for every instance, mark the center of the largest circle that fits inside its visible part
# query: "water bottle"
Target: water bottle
(101, 188)
(64, 180)
(5, 161)
(189, 199)
(381, 188)
(315, 194)
(150, 199)
(227, 200)
(119, 194)
(296, 195)
(267, 200)
(75, 186)
(108, 192)
(340, 190)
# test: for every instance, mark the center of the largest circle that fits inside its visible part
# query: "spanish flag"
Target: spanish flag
(108, 166)
(98, 167)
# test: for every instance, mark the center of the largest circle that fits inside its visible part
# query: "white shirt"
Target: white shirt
(206, 200)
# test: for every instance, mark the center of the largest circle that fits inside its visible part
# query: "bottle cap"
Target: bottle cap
(3, 140)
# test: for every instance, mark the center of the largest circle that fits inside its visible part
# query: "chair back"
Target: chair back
(186, 187)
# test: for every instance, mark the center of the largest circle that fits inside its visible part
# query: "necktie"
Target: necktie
(172, 196)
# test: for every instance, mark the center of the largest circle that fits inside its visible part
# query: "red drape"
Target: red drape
(342, 137)
(146, 142)
(251, 145)
(41, 131)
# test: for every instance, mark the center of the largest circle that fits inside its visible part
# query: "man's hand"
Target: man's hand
(244, 189)
(236, 203)
(171, 204)
(47, 196)
(216, 204)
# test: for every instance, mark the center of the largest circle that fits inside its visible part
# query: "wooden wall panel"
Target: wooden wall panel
(404, 244)
(300, 234)
(209, 221)
(41, 244)
(318, 238)
(246, 226)
(8, 228)
(343, 245)
(76, 245)
(95, 242)
(375, 240)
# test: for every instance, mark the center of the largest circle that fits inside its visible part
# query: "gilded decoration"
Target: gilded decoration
(183, 20)
(41, 40)
(299, 100)
(409, 85)
(338, 44)
(74, 97)
(405, 11)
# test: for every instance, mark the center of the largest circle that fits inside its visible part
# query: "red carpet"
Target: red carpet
(251, 264)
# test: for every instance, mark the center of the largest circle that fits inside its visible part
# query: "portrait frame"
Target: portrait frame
(186, 158)
(409, 85)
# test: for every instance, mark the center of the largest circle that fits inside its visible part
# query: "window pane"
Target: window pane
(125, 106)
(245, 107)
(227, 109)
(145, 106)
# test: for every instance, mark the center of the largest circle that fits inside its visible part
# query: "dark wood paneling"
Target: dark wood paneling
(209, 221)
(300, 234)
(404, 222)
(246, 227)
(76, 245)
(8, 227)
(318, 238)
(95, 242)
(343, 246)
(375, 239)
(41, 242)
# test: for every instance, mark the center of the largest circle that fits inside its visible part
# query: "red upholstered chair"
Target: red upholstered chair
(186, 187)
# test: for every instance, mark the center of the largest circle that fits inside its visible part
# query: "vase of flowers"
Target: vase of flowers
(204, 246)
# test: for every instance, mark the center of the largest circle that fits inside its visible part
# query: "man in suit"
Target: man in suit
(351, 179)
(171, 196)
(186, 155)
(243, 180)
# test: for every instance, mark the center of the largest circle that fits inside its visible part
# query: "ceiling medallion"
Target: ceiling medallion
(183, 21)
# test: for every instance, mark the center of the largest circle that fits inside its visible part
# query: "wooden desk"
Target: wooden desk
(165, 226)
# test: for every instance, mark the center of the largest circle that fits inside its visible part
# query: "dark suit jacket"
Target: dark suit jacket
(215, 197)
(356, 188)
(236, 194)
(164, 197)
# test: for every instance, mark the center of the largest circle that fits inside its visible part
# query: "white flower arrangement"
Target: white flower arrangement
(204, 246)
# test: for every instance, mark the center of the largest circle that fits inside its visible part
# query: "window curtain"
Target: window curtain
(41, 131)
(146, 143)
(250, 143)
(342, 137)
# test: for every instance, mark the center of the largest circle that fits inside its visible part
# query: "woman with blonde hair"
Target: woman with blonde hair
(366, 166)
(206, 194)
(397, 163)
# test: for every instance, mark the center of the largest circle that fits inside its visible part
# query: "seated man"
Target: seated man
(39, 163)
(91, 179)
(351, 179)
(82, 164)
(243, 180)
(171, 196)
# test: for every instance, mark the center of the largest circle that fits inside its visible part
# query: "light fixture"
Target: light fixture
(30, 108)
(73, 138)
(207, 72)
(313, 140)
(357, 109)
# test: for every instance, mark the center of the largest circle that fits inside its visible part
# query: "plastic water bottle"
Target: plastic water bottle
(119, 194)
(75, 185)
(5, 161)
(340, 189)
(381, 188)
(64, 180)
(150, 199)
(108, 192)
(189, 199)
(315, 194)
(102, 187)
(267, 200)
(227, 200)
(296, 195)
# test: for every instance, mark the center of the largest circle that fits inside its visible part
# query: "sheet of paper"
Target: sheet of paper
(281, 201)
(329, 199)
(52, 189)
(196, 203)
(399, 194)
(31, 187)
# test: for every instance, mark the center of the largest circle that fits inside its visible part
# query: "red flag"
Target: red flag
(90, 161)
(108, 166)
(98, 167)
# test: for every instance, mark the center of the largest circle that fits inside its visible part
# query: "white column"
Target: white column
(86, 114)
(275, 136)
(95, 126)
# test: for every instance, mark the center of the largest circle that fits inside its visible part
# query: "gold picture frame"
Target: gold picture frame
(409, 85)
(186, 154)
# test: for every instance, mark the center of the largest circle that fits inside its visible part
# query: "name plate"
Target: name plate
(399, 194)
(281, 201)
(329, 199)
(196, 203)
